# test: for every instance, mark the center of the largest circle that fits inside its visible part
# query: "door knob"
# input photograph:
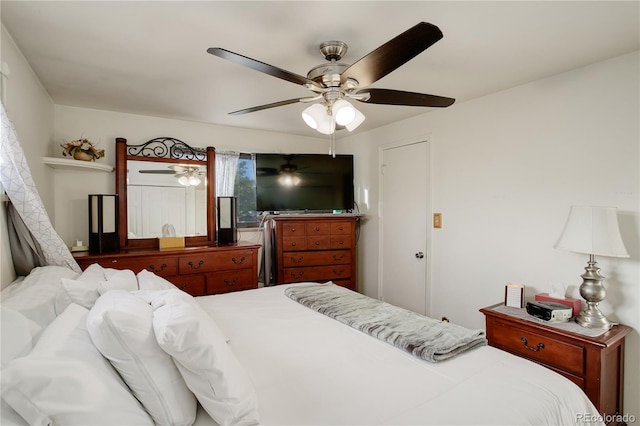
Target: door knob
(419, 255)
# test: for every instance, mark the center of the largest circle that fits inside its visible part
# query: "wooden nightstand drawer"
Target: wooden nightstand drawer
(539, 347)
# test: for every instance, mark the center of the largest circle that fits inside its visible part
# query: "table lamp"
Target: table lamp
(592, 230)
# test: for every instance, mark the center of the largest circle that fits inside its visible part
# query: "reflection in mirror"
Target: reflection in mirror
(161, 194)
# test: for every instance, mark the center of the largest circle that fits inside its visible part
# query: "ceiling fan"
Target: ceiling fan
(333, 82)
(186, 175)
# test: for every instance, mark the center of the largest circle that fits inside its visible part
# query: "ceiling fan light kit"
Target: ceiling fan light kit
(333, 82)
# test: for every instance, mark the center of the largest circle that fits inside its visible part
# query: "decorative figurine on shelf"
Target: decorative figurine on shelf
(82, 149)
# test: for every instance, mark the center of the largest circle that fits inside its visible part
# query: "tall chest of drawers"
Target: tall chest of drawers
(196, 270)
(316, 248)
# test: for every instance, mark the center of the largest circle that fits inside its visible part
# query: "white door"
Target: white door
(405, 183)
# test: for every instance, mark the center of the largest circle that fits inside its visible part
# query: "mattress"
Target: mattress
(310, 369)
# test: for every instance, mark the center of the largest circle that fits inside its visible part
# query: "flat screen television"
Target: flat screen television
(304, 182)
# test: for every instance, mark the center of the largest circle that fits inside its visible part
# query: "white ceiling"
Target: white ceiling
(150, 57)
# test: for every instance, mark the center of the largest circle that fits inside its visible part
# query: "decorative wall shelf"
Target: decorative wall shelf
(63, 163)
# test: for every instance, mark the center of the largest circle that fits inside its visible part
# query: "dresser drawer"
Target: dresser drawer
(233, 280)
(163, 266)
(539, 347)
(293, 228)
(211, 262)
(192, 284)
(341, 228)
(319, 228)
(294, 243)
(340, 242)
(329, 257)
(320, 242)
(317, 273)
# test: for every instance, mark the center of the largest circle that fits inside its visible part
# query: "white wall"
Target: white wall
(506, 168)
(102, 127)
(30, 109)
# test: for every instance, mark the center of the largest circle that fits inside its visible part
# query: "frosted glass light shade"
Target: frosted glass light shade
(592, 230)
(314, 115)
(359, 118)
(344, 112)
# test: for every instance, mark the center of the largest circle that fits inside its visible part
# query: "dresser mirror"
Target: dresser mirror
(165, 186)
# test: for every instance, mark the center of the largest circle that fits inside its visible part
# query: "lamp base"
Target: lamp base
(593, 292)
(593, 318)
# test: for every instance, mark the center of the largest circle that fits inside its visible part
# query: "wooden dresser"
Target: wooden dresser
(196, 270)
(596, 364)
(315, 248)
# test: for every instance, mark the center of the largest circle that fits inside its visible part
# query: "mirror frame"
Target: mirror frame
(164, 150)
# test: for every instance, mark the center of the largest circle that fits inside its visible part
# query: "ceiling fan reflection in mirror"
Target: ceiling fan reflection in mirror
(186, 175)
(333, 83)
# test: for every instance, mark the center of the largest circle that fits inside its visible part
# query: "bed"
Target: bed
(281, 362)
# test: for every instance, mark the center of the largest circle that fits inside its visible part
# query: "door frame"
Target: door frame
(428, 139)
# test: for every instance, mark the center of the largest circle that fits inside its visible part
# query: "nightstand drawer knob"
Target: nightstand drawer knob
(536, 349)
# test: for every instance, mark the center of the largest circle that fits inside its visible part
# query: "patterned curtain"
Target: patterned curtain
(16, 179)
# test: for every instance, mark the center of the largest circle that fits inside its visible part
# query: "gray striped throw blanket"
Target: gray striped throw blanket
(421, 336)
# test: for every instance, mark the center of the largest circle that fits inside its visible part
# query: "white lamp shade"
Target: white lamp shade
(313, 115)
(344, 112)
(592, 230)
(356, 121)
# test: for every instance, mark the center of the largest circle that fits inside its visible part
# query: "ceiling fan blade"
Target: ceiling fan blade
(261, 66)
(393, 54)
(266, 106)
(399, 97)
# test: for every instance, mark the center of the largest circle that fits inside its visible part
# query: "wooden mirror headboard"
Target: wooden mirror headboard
(174, 152)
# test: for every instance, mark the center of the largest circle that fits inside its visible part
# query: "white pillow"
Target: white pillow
(123, 279)
(65, 380)
(86, 289)
(17, 333)
(212, 372)
(35, 295)
(120, 325)
(150, 281)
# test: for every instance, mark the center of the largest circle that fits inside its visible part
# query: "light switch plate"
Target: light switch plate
(437, 220)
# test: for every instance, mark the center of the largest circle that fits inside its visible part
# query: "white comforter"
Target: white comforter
(311, 369)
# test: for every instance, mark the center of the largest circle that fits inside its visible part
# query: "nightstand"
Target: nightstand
(596, 364)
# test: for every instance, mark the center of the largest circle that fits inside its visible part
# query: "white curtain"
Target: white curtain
(16, 179)
(226, 168)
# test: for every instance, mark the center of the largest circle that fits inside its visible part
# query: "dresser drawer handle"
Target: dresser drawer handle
(196, 266)
(293, 244)
(338, 271)
(317, 228)
(341, 242)
(298, 260)
(338, 258)
(238, 262)
(317, 243)
(293, 229)
(297, 275)
(341, 228)
(536, 349)
(154, 269)
(183, 286)
(232, 282)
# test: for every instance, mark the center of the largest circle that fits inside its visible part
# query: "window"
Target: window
(245, 191)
